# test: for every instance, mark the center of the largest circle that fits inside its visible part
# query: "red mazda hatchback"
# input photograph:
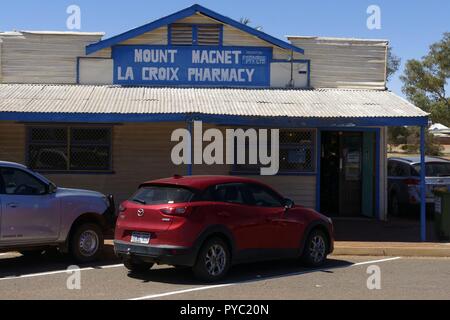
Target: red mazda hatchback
(210, 223)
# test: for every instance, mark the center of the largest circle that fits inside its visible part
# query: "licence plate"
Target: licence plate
(140, 238)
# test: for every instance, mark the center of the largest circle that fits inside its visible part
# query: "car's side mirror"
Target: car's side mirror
(288, 204)
(52, 188)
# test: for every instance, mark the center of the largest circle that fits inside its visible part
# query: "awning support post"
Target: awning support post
(423, 191)
(189, 166)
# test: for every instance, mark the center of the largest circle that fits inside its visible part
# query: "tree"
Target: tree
(247, 22)
(393, 63)
(425, 81)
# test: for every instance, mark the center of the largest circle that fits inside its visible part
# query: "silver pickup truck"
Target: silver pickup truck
(36, 215)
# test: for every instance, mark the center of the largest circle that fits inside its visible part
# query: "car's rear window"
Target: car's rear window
(434, 169)
(156, 195)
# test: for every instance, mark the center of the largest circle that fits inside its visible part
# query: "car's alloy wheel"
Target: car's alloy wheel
(87, 242)
(213, 261)
(216, 260)
(316, 249)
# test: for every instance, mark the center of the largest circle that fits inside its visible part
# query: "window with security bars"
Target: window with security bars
(297, 154)
(201, 34)
(70, 149)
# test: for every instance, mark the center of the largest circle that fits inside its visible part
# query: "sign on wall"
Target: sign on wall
(192, 66)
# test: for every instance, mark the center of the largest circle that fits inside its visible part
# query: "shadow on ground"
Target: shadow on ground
(15, 265)
(241, 273)
(405, 229)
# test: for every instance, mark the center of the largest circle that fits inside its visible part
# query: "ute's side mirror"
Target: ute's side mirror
(52, 188)
(288, 204)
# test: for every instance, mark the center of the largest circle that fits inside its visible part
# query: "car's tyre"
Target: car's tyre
(137, 266)
(316, 249)
(86, 243)
(213, 261)
(394, 206)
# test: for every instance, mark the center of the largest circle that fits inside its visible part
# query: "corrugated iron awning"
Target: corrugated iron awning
(100, 102)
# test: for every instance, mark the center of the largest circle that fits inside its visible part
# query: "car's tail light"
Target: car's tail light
(122, 208)
(412, 182)
(176, 211)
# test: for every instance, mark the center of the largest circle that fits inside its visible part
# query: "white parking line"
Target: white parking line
(172, 293)
(33, 275)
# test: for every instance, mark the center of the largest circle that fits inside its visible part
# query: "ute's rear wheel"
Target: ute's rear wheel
(87, 243)
(316, 249)
(213, 261)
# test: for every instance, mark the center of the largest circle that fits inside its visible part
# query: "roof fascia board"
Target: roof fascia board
(184, 14)
(275, 122)
(139, 30)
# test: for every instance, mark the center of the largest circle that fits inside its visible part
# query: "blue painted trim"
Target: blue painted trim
(78, 70)
(377, 172)
(194, 35)
(423, 199)
(221, 36)
(377, 164)
(191, 149)
(184, 14)
(169, 35)
(94, 47)
(274, 122)
(309, 73)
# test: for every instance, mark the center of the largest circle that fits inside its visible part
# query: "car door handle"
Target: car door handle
(13, 205)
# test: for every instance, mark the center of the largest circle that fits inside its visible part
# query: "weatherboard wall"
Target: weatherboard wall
(42, 58)
(141, 152)
(345, 63)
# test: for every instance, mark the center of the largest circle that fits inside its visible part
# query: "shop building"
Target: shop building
(98, 113)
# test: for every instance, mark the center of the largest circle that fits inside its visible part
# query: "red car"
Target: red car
(210, 223)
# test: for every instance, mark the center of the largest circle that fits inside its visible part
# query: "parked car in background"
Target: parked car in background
(404, 182)
(36, 215)
(209, 223)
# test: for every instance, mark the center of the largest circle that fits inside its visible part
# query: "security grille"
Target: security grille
(297, 154)
(69, 148)
(203, 35)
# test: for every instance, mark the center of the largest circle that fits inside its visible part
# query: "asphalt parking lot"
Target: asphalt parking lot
(46, 277)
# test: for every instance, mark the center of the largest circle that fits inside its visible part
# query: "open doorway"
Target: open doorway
(348, 173)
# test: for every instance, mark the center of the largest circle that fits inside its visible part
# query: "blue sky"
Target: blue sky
(411, 26)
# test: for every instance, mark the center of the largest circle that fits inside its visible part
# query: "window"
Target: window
(297, 154)
(19, 182)
(69, 148)
(263, 197)
(201, 34)
(155, 195)
(438, 169)
(397, 169)
(229, 193)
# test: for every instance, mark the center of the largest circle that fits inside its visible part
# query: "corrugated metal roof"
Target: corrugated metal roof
(321, 103)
